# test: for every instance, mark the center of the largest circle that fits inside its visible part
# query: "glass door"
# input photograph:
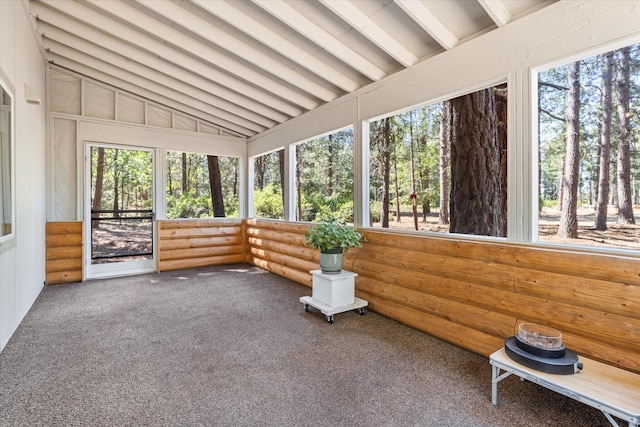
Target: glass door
(119, 211)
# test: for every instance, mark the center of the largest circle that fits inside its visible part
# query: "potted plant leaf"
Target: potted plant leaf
(333, 238)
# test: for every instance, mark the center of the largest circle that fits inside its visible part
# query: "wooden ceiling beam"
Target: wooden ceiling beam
(294, 19)
(50, 22)
(497, 11)
(156, 83)
(263, 34)
(252, 55)
(368, 28)
(145, 93)
(179, 41)
(220, 107)
(419, 12)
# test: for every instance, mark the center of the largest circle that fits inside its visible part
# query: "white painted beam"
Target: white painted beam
(497, 11)
(141, 56)
(255, 56)
(263, 34)
(66, 44)
(187, 45)
(143, 92)
(360, 22)
(429, 22)
(57, 51)
(294, 19)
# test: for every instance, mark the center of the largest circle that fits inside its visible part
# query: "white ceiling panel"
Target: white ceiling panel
(249, 65)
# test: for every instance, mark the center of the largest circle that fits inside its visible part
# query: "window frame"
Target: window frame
(535, 158)
(512, 177)
(8, 89)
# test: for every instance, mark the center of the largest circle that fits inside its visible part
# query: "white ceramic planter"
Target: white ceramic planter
(331, 263)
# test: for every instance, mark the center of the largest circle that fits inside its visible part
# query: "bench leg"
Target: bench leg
(496, 377)
(494, 384)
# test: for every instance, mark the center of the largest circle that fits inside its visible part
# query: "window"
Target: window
(324, 178)
(589, 159)
(201, 186)
(442, 167)
(7, 214)
(268, 184)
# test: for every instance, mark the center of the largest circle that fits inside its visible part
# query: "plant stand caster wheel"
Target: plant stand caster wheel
(330, 319)
(306, 308)
(362, 311)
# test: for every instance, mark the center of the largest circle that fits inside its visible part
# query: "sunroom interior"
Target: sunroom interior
(242, 80)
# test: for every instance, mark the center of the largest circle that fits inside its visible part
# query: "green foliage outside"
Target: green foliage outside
(324, 179)
(126, 181)
(191, 171)
(189, 206)
(414, 154)
(333, 236)
(267, 203)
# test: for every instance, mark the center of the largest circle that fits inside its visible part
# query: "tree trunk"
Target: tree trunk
(299, 182)
(330, 166)
(116, 183)
(260, 168)
(281, 164)
(97, 194)
(386, 166)
(568, 228)
(605, 145)
(476, 204)
(185, 175)
(445, 142)
(215, 182)
(501, 117)
(625, 208)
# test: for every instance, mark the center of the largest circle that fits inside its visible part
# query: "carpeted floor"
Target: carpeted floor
(232, 346)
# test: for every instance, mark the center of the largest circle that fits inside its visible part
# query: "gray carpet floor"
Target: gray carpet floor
(232, 346)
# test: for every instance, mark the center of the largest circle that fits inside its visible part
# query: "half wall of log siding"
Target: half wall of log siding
(199, 243)
(63, 252)
(475, 294)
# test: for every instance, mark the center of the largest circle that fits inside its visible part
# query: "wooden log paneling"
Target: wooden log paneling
(199, 243)
(63, 243)
(475, 293)
(284, 260)
(279, 247)
(282, 270)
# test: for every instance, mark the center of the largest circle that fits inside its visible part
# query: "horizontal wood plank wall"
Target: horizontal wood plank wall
(475, 294)
(280, 247)
(199, 243)
(63, 252)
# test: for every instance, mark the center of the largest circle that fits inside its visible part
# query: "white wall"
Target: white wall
(22, 260)
(564, 30)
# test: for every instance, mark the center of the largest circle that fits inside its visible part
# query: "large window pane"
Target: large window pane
(589, 188)
(442, 167)
(193, 178)
(324, 178)
(268, 185)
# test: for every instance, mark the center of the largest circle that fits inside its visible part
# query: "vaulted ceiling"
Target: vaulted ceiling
(249, 65)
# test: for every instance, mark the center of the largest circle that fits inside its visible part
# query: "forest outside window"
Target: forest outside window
(324, 178)
(442, 167)
(268, 200)
(589, 154)
(6, 164)
(201, 186)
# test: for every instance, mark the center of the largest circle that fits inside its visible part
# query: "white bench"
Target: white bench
(612, 390)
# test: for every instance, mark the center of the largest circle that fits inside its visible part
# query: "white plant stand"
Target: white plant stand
(333, 294)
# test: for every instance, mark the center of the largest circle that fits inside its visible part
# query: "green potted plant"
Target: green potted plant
(333, 238)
